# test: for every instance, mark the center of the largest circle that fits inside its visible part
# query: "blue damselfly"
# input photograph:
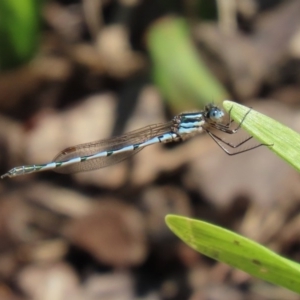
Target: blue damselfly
(103, 153)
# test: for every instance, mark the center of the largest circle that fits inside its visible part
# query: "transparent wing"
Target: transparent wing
(132, 138)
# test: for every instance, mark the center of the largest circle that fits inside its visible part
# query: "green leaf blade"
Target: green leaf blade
(285, 141)
(237, 251)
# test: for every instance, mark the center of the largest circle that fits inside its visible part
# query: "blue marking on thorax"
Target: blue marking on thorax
(190, 123)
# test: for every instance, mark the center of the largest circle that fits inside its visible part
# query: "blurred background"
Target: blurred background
(76, 71)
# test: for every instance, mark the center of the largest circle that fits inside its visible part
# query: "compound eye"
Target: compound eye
(216, 114)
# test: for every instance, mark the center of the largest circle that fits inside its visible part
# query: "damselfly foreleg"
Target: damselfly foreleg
(225, 127)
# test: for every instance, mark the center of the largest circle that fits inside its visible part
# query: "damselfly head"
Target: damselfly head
(214, 113)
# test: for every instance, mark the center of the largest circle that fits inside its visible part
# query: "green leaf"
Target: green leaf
(285, 141)
(19, 31)
(178, 69)
(237, 251)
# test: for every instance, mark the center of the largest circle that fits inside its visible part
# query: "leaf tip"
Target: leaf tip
(169, 219)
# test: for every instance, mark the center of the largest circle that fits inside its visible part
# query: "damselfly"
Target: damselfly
(103, 153)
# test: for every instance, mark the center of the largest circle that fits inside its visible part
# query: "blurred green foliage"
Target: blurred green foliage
(178, 69)
(20, 22)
